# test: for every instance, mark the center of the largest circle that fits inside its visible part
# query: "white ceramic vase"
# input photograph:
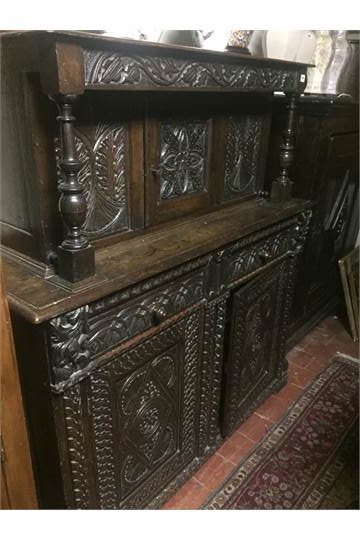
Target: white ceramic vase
(294, 45)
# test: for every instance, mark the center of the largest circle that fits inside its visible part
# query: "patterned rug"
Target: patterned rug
(310, 458)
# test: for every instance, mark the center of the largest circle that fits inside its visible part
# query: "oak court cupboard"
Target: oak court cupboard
(149, 276)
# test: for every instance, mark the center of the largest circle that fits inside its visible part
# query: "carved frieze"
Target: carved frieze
(111, 68)
(242, 155)
(182, 158)
(102, 152)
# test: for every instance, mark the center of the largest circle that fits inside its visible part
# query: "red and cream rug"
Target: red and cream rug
(310, 458)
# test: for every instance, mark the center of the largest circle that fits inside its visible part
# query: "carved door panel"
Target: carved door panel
(178, 166)
(131, 427)
(255, 361)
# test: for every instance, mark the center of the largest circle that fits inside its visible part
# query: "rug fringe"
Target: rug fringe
(356, 360)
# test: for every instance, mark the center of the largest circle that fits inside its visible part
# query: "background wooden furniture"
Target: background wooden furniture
(146, 311)
(326, 170)
(349, 272)
(17, 481)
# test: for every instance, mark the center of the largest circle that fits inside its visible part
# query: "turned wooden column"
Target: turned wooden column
(281, 187)
(76, 257)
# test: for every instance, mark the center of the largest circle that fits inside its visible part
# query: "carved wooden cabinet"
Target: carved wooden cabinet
(150, 277)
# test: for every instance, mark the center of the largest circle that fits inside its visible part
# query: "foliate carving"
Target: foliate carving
(247, 260)
(69, 342)
(124, 322)
(242, 155)
(127, 294)
(102, 176)
(182, 158)
(301, 230)
(76, 447)
(78, 337)
(111, 68)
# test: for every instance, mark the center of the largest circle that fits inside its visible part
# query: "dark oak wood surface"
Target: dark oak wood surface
(128, 262)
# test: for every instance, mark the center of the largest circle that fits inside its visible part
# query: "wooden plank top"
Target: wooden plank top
(131, 261)
(109, 63)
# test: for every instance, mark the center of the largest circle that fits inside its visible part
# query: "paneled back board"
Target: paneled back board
(141, 261)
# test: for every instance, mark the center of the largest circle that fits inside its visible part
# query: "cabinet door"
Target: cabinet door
(178, 166)
(136, 419)
(255, 362)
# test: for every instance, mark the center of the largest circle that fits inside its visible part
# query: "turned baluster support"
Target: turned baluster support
(281, 187)
(76, 257)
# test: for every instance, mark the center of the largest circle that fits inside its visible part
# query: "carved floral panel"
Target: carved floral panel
(102, 152)
(242, 155)
(182, 161)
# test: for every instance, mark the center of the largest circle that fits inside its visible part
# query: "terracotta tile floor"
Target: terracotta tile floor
(306, 359)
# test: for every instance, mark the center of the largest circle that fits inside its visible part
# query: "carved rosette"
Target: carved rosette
(242, 155)
(182, 158)
(111, 68)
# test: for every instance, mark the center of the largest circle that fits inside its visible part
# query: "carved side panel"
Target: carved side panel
(102, 152)
(257, 321)
(242, 155)
(183, 149)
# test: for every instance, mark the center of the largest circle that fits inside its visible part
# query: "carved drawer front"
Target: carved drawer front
(79, 337)
(127, 319)
(243, 259)
(131, 427)
(255, 363)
